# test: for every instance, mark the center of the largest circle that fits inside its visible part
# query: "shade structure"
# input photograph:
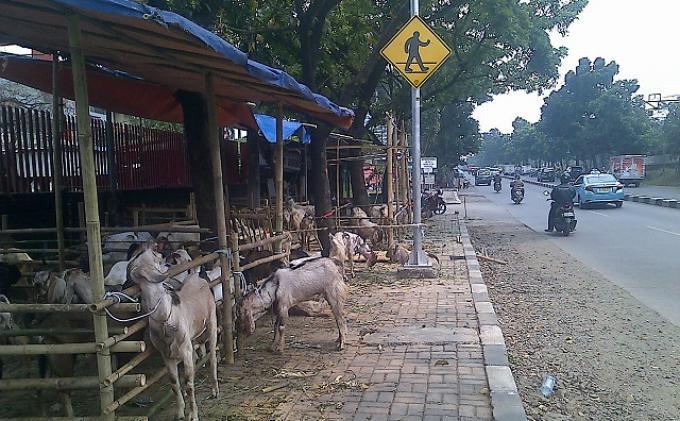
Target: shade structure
(267, 126)
(116, 91)
(162, 48)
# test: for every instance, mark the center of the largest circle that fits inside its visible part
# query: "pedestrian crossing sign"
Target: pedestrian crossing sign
(416, 51)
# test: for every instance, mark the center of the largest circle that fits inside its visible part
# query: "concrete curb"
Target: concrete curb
(656, 201)
(505, 400)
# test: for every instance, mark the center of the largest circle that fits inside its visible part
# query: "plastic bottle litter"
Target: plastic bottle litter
(548, 386)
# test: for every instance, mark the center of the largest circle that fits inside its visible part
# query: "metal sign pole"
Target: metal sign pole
(417, 257)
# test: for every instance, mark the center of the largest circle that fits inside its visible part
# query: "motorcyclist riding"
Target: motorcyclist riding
(561, 194)
(517, 183)
(497, 179)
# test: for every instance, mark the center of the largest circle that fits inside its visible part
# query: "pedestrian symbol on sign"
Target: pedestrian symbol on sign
(412, 48)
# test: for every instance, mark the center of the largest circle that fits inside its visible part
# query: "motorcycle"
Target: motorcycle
(497, 186)
(518, 195)
(565, 218)
(432, 204)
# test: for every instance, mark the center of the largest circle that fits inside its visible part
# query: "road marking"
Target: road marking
(663, 230)
(598, 213)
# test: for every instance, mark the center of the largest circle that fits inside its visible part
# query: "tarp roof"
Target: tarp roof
(160, 47)
(116, 91)
(267, 125)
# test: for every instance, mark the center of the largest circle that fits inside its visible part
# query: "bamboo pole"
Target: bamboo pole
(68, 383)
(111, 165)
(129, 366)
(278, 173)
(235, 263)
(112, 340)
(63, 308)
(388, 181)
(258, 262)
(263, 242)
(337, 174)
(106, 394)
(214, 139)
(405, 191)
(73, 348)
(57, 183)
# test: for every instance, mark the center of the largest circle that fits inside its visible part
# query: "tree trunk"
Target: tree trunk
(356, 172)
(321, 191)
(196, 133)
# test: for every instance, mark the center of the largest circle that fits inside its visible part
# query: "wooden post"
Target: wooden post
(388, 181)
(304, 196)
(253, 143)
(337, 173)
(235, 263)
(405, 190)
(57, 113)
(218, 186)
(106, 395)
(82, 219)
(113, 170)
(278, 175)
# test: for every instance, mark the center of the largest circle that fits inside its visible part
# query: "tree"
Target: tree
(494, 149)
(457, 134)
(593, 115)
(670, 131)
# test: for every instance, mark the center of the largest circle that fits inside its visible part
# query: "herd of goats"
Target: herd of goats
(181, 310)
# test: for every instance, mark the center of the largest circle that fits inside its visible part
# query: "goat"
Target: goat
(170, 241)
(398, 254)
(379, 214)
(287, 287)
(179, 317)
(346, 245)
(9, 275)
(114, 245)
(368, 230)
(68, 287)
(301, 218)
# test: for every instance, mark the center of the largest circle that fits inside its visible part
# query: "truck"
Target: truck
(628, 169)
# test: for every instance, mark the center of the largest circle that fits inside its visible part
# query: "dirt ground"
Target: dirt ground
(614, 359)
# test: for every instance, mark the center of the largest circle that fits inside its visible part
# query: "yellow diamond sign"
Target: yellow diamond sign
(416, 51)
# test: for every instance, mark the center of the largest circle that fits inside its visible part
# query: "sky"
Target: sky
(638, 34)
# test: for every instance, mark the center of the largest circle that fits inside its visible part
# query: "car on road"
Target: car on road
(483, 177)
(546, 175)
(598, 188)
(533, 173)
(574, 172)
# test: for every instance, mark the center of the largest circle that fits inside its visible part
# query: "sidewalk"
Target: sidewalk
(419, 354)
(417, 349)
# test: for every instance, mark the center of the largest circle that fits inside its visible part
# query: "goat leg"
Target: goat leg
(212, 342)
(173, 372)
(336, 303)
(68, 407)
(279, 338)
(189, 375)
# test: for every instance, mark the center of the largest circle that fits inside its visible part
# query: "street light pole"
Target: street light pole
(418, 257)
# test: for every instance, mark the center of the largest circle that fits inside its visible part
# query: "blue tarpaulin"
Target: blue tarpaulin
(161, 47)
(267, 125)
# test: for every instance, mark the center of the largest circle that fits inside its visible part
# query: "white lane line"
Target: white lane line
(663, 230)
(598, 213)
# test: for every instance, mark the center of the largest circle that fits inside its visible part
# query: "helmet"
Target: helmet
(565, 178)
(516, 177)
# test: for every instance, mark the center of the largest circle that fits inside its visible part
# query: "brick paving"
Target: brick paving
(398, 376)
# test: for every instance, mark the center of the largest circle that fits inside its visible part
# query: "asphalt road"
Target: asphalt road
(636, 247)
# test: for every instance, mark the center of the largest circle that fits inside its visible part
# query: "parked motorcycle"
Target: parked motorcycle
(517, 195)
(565, 218)
(432, 204)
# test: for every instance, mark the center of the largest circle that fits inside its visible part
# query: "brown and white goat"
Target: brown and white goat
(346, 245)
(287, 287)
(178, 319)
(368, 230)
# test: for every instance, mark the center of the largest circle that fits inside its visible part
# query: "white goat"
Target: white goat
(346, 245)
(287, 287)
(179, 317)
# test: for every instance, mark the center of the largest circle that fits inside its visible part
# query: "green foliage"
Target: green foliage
(495, 149)
(457, 133)
(593, 115)
(670, 131)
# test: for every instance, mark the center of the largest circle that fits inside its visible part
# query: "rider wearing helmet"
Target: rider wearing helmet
(561, 194)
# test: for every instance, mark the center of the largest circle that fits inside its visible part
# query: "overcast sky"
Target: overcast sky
(638, 34)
